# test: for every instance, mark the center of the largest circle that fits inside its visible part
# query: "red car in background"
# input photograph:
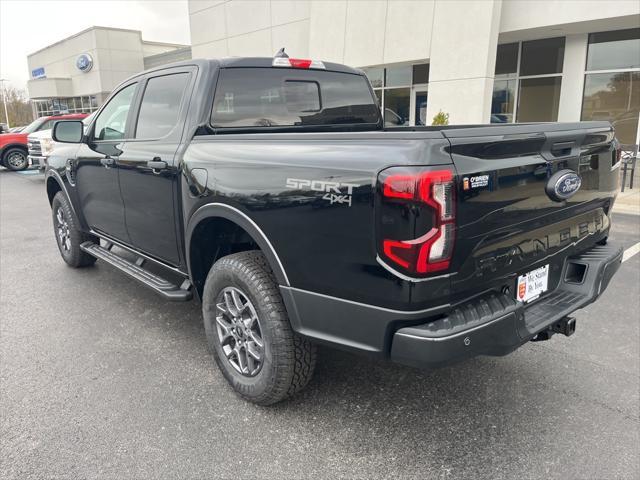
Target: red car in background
(13, 146)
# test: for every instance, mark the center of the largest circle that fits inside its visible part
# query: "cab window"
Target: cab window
(111, 124)
(160, 105)
(48, 125)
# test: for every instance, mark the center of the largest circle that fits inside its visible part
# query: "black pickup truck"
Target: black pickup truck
(270, 189)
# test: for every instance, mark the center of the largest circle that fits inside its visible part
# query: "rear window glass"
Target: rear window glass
(272, 97)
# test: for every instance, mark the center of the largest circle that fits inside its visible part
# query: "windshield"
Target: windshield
(33, 126)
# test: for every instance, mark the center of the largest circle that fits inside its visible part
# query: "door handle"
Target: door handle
(157, 164)
(107, 161)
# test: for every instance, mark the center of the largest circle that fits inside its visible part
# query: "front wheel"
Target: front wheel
(68, 236)
(15, 159)
(249, 333)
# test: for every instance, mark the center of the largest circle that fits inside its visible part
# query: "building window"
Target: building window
(401, 92)
(507, 59)
(375, 76)
(542, 57)
(502, 103)
(528, 77)
(539, 99)
(398, 76)
(612, 82)
(59, 106)
(397, 106)
(614, 50)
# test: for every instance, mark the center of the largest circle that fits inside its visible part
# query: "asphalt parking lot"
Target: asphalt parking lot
(102, 379)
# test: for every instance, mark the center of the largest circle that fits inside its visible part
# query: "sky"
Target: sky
(29, 25)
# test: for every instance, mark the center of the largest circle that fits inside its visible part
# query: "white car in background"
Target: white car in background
(40, 145)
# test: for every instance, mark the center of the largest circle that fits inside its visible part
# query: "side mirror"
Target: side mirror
(68, 131)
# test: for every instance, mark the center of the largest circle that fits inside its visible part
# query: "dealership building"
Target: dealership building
(477, 60)
(77, 74)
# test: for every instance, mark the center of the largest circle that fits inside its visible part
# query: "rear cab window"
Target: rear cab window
(254, 98)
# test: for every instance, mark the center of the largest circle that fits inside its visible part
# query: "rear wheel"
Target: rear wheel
(68, 236)
(249, 333)
(15, 159)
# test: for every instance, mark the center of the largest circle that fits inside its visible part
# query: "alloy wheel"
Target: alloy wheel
(62, 228)
(239, 331)
(17, 160)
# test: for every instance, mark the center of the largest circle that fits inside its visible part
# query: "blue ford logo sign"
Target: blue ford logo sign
(84, 62)
(563, 185)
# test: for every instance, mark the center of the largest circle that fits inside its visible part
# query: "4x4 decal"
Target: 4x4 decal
(335, 192)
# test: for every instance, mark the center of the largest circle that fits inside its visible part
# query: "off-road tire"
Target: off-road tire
(73, 255)
(289, 359)
(15, 151)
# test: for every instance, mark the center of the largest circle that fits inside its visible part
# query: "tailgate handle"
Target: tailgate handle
(562, 149)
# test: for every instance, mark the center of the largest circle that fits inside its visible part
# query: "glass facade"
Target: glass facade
(401, 92)
(502, 102)
(396, 106)
(614, 50)
(528, 78)
(542, 57)
(612, 81)
(57, 106)
(539, 99)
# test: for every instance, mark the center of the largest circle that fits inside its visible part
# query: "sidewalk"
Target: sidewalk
(629, 200)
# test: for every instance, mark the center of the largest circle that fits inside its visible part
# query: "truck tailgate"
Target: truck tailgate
(507, 222)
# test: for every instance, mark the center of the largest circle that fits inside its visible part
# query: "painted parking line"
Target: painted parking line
(630, 252)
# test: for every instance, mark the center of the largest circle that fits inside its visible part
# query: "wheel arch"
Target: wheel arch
(6, 148)
(53, 187)
(54, 184)
(218, 229)
(13, 145)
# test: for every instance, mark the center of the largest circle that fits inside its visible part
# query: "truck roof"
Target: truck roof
(240, 62)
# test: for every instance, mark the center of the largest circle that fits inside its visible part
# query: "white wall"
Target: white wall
(575, 54)
(249, 27)
(463, 56)
(120, 54)
(154, 48)
(59, 61)
(43, 87)
(528, 14)
(117, 54)
(355, 32)
(457, 37)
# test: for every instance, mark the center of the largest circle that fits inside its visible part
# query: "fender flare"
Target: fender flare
(233, 214)
(58, 179)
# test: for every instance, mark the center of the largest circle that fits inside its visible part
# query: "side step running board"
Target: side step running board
(170, 291)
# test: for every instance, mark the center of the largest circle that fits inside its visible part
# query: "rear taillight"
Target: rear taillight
(421, 204)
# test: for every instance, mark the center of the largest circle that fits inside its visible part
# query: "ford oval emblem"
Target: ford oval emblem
(84, 62)
(563, 185)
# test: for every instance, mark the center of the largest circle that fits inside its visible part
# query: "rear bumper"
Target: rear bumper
(496, 324)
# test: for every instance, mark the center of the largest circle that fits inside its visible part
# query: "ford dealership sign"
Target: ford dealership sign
(38, 73)
(84, 62)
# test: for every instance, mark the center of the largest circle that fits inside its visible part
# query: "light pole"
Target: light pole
(4, 102)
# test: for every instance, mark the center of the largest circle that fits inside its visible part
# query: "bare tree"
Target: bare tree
(18, 106)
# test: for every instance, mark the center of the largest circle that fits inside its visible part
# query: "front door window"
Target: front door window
(112, 121)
